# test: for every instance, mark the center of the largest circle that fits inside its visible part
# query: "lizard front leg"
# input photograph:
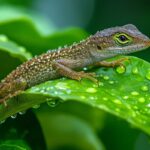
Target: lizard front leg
(114, 63)
(64, 70)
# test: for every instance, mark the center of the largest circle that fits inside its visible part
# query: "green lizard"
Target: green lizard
(63, 62)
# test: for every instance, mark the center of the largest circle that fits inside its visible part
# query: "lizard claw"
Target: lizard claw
(91, 76)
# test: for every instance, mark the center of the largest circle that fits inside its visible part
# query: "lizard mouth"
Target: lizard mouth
(129, 48)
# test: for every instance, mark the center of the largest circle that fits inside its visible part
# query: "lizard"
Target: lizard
(68, 60)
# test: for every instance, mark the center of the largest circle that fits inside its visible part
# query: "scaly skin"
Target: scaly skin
(63, 62)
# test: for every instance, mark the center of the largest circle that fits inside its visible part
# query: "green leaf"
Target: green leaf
(57, 124)
(33, 38)
(11, 55)
(124, 94)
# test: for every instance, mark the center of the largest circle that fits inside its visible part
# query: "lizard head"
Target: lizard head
(121, 40)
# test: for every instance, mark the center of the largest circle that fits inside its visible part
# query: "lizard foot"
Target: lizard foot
(82, 74)
(113, 64)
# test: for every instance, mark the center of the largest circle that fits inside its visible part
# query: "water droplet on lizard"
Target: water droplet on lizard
(36, 106)
(141, 99)
(91, 90)
(13, 116)
(135, 70)
(120, 69)
(144, 88)
(134, 93)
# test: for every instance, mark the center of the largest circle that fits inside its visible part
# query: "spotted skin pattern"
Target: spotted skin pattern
(66, 61)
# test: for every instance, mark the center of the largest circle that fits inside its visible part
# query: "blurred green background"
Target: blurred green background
(77, 124)
(92, 15)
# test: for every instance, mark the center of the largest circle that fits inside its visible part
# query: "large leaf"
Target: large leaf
(124, 93)
(30, 36)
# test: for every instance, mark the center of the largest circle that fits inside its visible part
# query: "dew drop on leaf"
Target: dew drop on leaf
(36, 106)
(111, 82)
(106, 77)
(125, 97)
(117, 101)
(148, 75)
(144, 88)
(91, 90)
(3, 38)
(141, 99)
(52, 103)
(134, 93)
(13, 116)
(135, 70)
(1, 122)
(105, 98)
(120, 69)
(22, 112)
(148, 105)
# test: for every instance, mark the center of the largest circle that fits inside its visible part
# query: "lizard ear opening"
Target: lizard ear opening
(122, 38)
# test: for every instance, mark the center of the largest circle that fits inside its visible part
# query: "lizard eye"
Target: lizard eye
(122, 39)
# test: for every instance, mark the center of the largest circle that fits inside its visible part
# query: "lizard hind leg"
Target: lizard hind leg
(11, 89)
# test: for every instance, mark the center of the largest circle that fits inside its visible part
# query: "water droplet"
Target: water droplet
(68, 91)
(135, 70)
(135, 107)
(117, 109)
(120, 69)
(141, 99)
(111, 82)
(101, 83)
(52, 103)
(13, 116)
(105, 98)
(148, 75)
(125, 97)
(1, 122)
(134, 93)
(62, 86)
(3, 38)
(117, 101)
(91, 90)
(22, 112)
(85, 68)
(148, 105)
(22, 49)
(144, 88)
(36, 106)
(106, 77)
(82, 97)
